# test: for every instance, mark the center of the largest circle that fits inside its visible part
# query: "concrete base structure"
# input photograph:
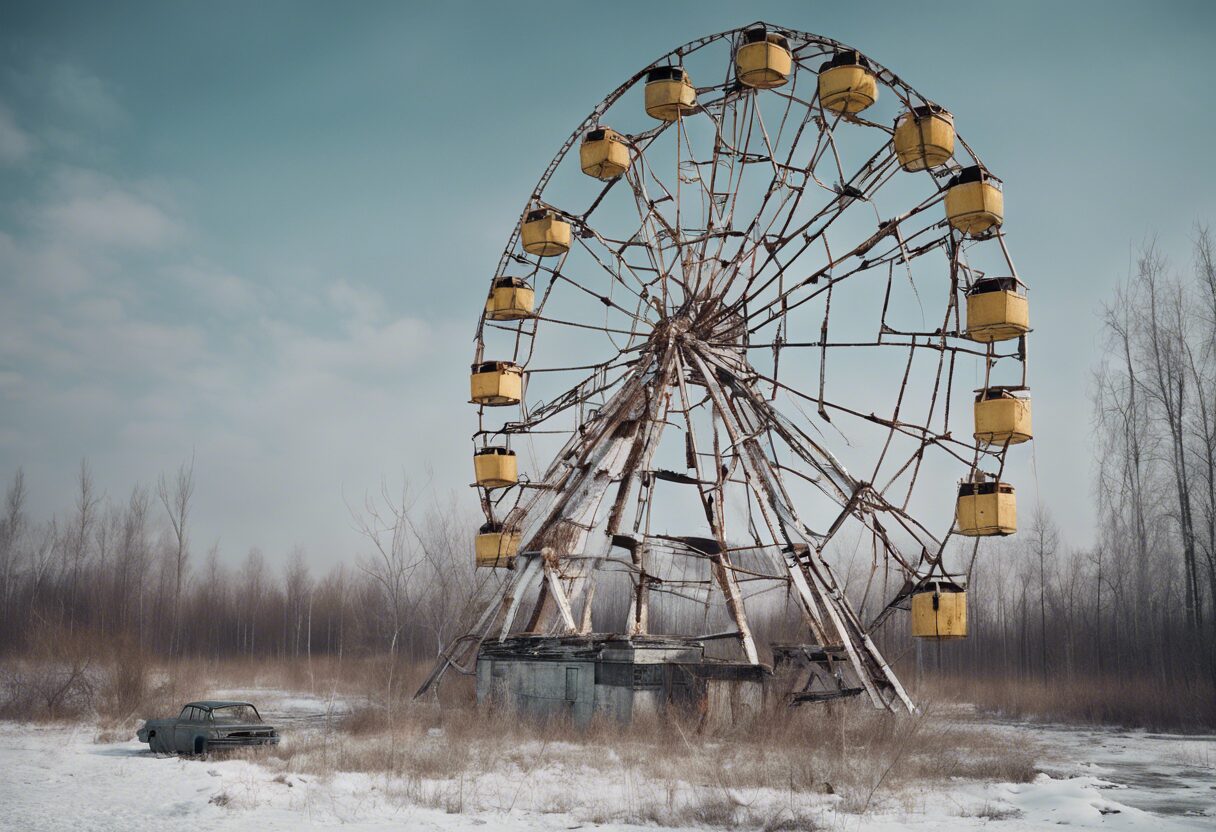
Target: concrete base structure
(615, 677)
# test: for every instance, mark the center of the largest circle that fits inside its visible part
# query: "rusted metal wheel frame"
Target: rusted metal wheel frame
(615, 449)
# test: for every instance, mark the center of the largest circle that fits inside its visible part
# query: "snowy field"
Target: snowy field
(72, 778)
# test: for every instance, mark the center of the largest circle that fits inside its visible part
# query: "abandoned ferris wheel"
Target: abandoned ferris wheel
(735, 326)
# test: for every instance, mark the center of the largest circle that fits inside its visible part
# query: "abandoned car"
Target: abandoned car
(208, 726)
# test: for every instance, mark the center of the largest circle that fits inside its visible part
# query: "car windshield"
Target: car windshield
(234, 714)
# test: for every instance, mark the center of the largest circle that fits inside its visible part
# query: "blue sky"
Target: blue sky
(260, 233)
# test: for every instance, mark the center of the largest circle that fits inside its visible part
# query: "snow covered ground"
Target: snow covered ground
(54, 778)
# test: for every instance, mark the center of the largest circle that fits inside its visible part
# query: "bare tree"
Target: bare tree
(385, 523)
(252, 577)
(298, 587)
(1202, 363)
(1044, 544)
(132, 564)
(12, 530)
(1165, 334)
(447, 585)
(176, 500)
(77, 546)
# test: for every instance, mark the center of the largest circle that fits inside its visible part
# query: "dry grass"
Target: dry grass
(73, 675)
(1121, 702)
(780, 771)
(775, 773)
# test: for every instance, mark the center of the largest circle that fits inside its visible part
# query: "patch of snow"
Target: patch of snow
(58, 778)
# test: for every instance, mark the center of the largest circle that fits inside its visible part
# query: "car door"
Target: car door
(185, 729)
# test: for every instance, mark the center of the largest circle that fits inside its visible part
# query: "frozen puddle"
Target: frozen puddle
(1166, 775)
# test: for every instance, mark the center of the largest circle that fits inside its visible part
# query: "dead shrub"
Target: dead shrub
(716, 809)
(56, 680)
(126, 681)
(365, 720)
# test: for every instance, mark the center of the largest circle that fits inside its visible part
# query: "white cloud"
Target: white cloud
(53, 267)
(83, 95)
(91, 209)
(15, 144)
(77, 231)
(216, 288)
(364, 304)
(95, 338)
(362, 347)
(123, 340)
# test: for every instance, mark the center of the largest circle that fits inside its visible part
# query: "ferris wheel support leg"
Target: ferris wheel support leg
(598, 462)
(870, 647)
(722, 567)
(819, 590)
(584, 626)
(829, 588)
(558, 595)
(638, 622)
(582, 517)
(725, 573)
(896, 685)
(640, 457)
(515, 593)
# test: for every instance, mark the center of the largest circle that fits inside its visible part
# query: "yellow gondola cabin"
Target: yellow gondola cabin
(496, 546)
(604, 153)
(544, 233)
(495, 467)
(924, 137)
(997, 310)
(496, 383)
(1002, 416)
(846, 83)
(764, 60)
(975, 203)
(939, 610)
(511, 298)
(985, 509)
(669, 93)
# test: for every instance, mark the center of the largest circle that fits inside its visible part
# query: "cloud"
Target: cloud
(15, 144)
(79, 229)
(96, 338)
(83, 96)
(51, 267)
(89, 208)
(365, 304)
(216, 288)
(364, 347)
(123, 338)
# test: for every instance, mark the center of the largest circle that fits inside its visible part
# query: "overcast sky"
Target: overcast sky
(261, 233)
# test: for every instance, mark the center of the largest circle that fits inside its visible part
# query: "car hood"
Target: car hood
(232, 726)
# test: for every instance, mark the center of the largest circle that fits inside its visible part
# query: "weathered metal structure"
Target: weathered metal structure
(615, 677)
(747, 289)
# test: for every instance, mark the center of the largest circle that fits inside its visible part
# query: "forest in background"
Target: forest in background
(1133, 617)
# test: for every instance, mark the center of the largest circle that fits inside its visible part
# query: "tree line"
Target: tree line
(1139, 603)
(126, 570)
